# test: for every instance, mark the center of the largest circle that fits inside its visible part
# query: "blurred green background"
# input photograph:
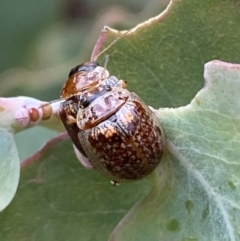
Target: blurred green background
(40, 41)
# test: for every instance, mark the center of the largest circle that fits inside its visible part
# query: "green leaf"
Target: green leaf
(162, 59)
(196, 195)
(9, 166)
(58, 199)
(194, 192)
(43, 135)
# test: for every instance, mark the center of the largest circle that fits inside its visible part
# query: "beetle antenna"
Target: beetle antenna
(105, 64)
(110, 45)
(106, 61)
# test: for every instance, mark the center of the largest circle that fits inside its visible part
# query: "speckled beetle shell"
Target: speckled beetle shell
(111, 126)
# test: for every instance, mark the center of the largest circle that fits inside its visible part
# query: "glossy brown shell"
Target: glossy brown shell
(82, 80)
(126, 145)
(102, 108)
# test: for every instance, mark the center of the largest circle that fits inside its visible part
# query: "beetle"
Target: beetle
(109, 125)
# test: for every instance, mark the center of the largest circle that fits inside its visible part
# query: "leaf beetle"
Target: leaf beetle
(109, 125)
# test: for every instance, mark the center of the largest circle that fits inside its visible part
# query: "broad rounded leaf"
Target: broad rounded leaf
(197, 195)
(58, 199)
(9, 168)
(195, 189)
(162, 59)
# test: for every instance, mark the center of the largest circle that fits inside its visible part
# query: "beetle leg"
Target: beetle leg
(71, 120)
(84, 160)
(123, 83)
(114, 183)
